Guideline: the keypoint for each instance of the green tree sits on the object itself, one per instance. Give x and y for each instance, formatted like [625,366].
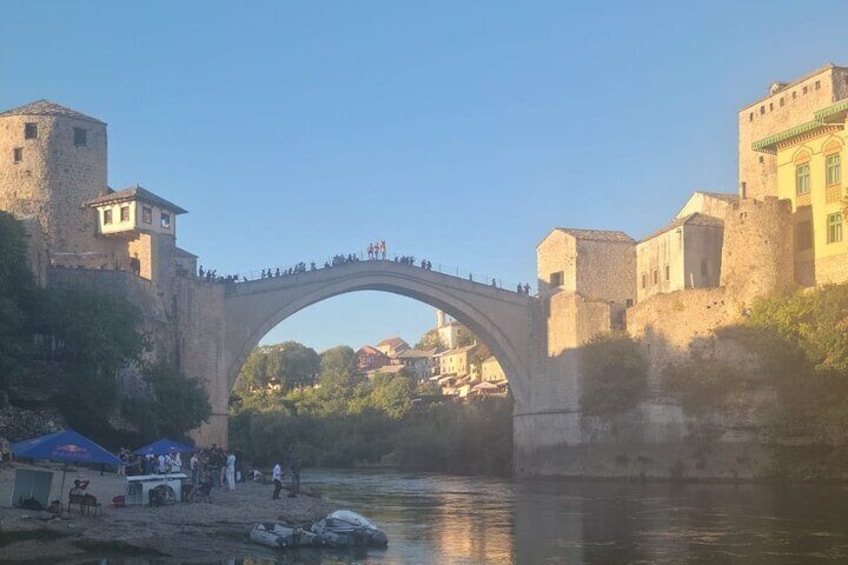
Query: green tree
[93,336]
[299,365]
[179,403]
[392,394]
[614,374]
[17,297]
[256,373]
[430,340]
[801,340]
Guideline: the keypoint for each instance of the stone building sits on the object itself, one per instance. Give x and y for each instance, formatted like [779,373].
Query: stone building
[392,347]
[785,106]
[586,279]
[809,160]
[684,254]
[416,361]
[370,359]
[52,159]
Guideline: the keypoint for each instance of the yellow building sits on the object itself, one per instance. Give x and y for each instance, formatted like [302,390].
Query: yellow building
[809,173]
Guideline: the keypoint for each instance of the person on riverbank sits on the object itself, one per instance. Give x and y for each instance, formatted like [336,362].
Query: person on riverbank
[295,473]
[194,465]
[276,477]
[79,487]
[231,471]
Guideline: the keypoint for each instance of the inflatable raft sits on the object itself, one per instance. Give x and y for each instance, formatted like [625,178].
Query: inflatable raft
[275,534]
[339,529]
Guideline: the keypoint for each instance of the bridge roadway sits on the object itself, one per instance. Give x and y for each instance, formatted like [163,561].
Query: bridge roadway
[500,318]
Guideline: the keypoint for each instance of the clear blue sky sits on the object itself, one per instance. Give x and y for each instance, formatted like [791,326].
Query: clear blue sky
[462,132]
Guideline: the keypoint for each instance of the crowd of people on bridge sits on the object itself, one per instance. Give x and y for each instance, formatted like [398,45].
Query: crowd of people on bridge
[212,275]
[377,250]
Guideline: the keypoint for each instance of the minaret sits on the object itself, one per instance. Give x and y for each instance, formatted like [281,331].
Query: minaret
[440,319]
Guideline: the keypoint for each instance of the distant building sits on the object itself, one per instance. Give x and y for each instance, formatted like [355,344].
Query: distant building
[492,371]
[392,346]
[370,359]
[684,254]
[808,158]
[788,111]
[142,221]
[456,362]
[416,361]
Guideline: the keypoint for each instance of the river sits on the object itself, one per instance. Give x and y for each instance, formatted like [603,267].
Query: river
[442,519]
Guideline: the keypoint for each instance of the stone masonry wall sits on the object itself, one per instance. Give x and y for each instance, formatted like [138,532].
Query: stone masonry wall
[557,253]
[757,257]
[670,327]
[832,270]
[606,270]
[200,339]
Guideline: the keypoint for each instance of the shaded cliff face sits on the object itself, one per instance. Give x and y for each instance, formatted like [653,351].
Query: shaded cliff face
[17,424]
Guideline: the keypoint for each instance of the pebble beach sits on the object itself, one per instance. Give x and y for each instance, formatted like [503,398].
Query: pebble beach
[198,531]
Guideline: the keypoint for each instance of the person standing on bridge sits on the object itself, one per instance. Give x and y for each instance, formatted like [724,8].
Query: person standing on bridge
[383,249]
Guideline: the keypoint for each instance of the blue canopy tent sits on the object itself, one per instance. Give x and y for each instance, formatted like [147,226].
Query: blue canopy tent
[66,446]
[164,446]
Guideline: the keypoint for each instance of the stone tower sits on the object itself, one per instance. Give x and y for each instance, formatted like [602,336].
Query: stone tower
[757,256]
[52,159]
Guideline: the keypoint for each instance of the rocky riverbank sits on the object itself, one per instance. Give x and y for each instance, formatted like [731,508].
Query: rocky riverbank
[203,531]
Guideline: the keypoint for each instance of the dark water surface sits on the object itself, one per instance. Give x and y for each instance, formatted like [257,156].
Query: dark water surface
[443,519]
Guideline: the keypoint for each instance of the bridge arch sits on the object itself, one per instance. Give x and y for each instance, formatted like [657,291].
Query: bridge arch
[500,318]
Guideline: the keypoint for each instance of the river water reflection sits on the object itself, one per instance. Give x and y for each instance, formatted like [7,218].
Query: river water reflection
[460,520]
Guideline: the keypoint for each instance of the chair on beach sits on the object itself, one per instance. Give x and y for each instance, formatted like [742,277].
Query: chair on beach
[86,502]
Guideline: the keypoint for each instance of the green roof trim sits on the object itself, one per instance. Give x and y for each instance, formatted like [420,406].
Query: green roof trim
[767,144]
[832,109]
[784,135]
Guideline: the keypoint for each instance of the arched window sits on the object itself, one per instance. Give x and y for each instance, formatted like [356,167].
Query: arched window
[802,172]
[832,162]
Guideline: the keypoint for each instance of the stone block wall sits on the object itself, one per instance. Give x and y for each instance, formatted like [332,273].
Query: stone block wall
[573,320]
[36,250]
[758,251]
[557,253]
[670,327]
[200,339]
[832,270]
[606,270]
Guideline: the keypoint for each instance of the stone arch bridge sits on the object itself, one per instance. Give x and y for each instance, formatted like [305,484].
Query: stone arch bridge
[500,318]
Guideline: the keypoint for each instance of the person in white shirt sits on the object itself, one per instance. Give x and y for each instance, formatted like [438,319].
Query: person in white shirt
[231,471]
[276,476]
[163,467]
[176,463]
[194,464]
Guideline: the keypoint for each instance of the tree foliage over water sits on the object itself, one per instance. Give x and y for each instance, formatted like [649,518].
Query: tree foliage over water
[614,374]
[348,419]
[800,343]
